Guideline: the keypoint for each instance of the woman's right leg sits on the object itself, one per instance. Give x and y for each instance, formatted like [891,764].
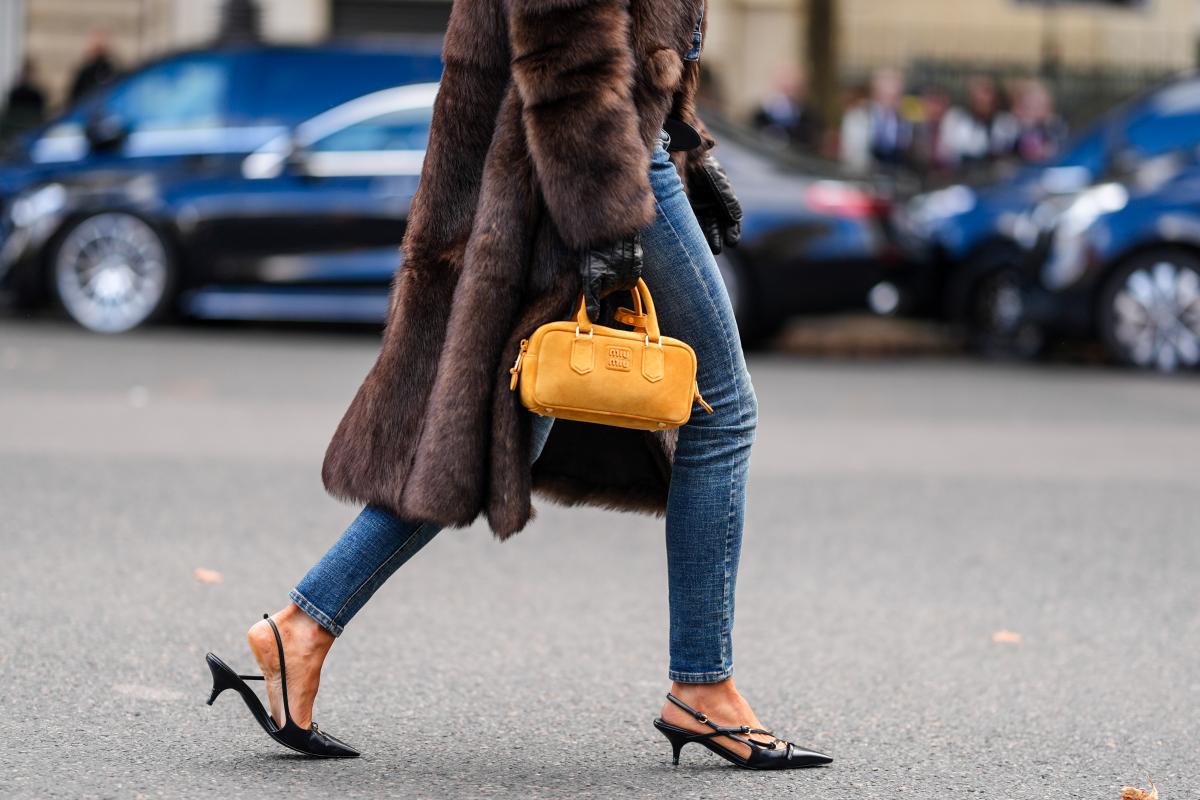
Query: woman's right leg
[372,548]
[369,551]
[376,544]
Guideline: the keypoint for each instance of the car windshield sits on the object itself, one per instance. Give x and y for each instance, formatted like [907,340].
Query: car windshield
[182,94]
[402,129]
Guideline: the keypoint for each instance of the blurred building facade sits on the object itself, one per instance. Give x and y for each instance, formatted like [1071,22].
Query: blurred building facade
[749,40]
[56,33]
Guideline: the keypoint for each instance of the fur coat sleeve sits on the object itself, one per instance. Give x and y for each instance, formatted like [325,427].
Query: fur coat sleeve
[539,146]
[573,65]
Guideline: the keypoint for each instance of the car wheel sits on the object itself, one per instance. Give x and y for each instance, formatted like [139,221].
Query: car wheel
[1149,314]
[996,324]
[112,272]
[754,329]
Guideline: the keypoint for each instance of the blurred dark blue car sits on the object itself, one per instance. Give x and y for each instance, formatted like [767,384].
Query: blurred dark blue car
[814,238]
[1122,263]
[204,176]
[968,243]
[274,183]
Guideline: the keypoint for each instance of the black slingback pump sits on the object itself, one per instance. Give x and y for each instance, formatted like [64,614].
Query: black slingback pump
[778,754]
[309,741]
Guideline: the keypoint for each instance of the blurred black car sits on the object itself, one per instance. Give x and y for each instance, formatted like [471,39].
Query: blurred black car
[187,187]
[814,239]
[1122,263]
[221,167]
[967,243]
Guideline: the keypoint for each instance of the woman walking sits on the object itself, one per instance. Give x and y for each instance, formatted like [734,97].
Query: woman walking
[562,140]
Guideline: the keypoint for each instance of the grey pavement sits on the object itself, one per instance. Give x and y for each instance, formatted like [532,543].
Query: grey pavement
[903,515]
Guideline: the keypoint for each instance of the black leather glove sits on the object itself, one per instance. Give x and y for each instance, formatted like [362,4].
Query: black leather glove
[610,268]
[715,206]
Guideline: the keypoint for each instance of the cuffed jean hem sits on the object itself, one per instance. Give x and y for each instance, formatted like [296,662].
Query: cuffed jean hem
[318,616]
[700,677]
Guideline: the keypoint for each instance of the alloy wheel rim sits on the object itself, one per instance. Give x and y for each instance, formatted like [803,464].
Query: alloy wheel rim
[1003,307]
[111,272]
[1157,314]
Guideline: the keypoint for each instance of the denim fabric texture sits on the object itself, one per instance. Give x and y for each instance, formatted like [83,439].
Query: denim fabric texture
[693,53]
[705,506]
[376,544]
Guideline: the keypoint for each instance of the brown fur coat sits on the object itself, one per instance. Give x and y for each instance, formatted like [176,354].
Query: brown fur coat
[539,147]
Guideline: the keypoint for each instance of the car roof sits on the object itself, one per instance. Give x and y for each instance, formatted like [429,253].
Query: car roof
[399,44]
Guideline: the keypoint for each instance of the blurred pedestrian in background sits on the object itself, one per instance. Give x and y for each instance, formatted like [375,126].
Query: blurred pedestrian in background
[98,69]
[787,115]
[1040,130]
[25,107]
[934,102]
[875,133]
[980,132]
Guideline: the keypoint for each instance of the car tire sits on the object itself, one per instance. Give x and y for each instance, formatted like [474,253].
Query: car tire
[755,329]
[994,310]
[1149,311]
[113,272]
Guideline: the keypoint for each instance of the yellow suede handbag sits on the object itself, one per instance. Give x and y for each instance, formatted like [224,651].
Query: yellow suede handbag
[591,373]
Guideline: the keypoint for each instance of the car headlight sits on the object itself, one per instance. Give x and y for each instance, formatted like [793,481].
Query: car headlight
[1068,256]
[30,207]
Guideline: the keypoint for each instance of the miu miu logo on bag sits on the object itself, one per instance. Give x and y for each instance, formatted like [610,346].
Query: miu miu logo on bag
[618,358]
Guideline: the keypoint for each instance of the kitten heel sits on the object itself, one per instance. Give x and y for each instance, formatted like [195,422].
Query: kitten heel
[775,754]
[222,678]
[675,736]
[310,741]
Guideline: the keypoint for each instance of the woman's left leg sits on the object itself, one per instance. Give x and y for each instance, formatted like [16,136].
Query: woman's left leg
[705,507]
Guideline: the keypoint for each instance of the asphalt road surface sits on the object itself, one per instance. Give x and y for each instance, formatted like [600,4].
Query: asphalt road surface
[962,580]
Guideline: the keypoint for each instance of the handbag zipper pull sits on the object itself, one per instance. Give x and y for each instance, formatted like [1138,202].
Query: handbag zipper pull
[700,399]
[516,367]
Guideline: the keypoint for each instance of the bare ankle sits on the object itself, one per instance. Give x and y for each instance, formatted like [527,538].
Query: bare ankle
[303,628]
[725,688]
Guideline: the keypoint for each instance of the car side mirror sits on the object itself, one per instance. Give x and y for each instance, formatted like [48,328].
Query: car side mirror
[105,131]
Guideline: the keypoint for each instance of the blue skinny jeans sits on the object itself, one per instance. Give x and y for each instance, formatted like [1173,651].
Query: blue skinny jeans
[705,505]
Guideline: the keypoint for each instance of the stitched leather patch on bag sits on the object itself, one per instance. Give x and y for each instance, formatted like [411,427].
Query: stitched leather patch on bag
[619,358]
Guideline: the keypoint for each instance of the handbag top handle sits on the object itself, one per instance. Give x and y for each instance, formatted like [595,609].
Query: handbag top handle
[641,299]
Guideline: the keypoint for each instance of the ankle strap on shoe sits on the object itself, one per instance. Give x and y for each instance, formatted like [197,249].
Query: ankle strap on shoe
[732,731]
[287,714]
[700,717]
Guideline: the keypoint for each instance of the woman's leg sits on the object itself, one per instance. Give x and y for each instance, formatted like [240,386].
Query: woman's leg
[372,548]
[705,507]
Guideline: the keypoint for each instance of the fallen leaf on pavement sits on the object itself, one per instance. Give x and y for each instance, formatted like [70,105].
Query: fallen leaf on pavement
[207,575]
[1006,637]
[1130,793]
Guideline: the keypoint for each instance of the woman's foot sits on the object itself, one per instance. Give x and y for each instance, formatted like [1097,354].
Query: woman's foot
[305,645]
[721,703]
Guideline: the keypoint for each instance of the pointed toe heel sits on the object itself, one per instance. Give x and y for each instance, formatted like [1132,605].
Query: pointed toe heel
[778,754]
[308,741]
